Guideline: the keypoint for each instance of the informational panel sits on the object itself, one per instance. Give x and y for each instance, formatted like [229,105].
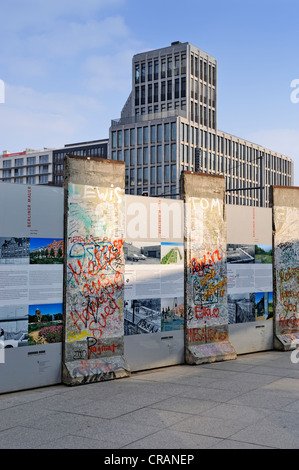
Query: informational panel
[31,280]
[249,277]
[154,282]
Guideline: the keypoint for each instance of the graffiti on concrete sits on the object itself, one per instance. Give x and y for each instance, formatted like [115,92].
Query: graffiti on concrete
[287,274]
[95,273]
[206,289]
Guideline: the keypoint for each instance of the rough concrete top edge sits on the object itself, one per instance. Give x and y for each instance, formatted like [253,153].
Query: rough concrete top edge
[285,187]
[284,196]
[96,159]
[93,171]
[202,185]
[203,174]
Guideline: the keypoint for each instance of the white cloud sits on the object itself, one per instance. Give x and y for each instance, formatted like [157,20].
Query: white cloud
[77,38]
[30,119]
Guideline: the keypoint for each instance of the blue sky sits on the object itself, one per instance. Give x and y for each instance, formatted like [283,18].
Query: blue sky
[46,309]
[66,65]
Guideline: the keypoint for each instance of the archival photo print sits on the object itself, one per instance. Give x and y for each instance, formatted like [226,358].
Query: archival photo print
[14,250]
[142,253]
[46,250]
[142,316]
[172,253]
[14,326]
[263,254]
[172,314]
[45,324]
[241,308]
[240,254]
[263,306]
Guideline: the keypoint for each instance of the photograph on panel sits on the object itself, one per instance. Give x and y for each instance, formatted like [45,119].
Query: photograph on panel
[263,254]
[263,306]
[14,250]
[142,252]
[240,253]
[142,316]
[45,324]
[14,326]
[241,308]
[172,253]
[46,251]
[172,314]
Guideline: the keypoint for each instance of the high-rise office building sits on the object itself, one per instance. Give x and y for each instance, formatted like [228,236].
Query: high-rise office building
[169,124]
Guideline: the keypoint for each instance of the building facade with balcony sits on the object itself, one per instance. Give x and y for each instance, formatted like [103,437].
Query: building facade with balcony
[45,166]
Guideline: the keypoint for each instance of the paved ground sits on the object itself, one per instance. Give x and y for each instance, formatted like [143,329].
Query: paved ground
[249,403]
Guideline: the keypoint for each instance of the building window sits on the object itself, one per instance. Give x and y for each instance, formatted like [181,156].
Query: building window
[150,93]
[153,134]
[139,176]
[177,88]
[31,170]
[6,163]
[132,137]
[145,155]
[153,175]
[159,153]
[156,92]
[19,162]
[139,156]
[183,63]
[143,72]
[31,160]
[145,176]
[127,140]
[145,135]
[31,180]
[167,131]
[153,154]
[163,68]
[150,71]
[169,89]
[159,132]
[159,175]
[166,174]
[19,172]
[119,138]
[163,91]
[43,179]
[143,95]
[44,169]
[183,87]
[156,69]
[139,136]
[137,73]
[166,153]
[132,157]
[6,173]
[44,159]
[173,131]
[173,173]
[176,65]
[173,152]
[132,177]
[169,67]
